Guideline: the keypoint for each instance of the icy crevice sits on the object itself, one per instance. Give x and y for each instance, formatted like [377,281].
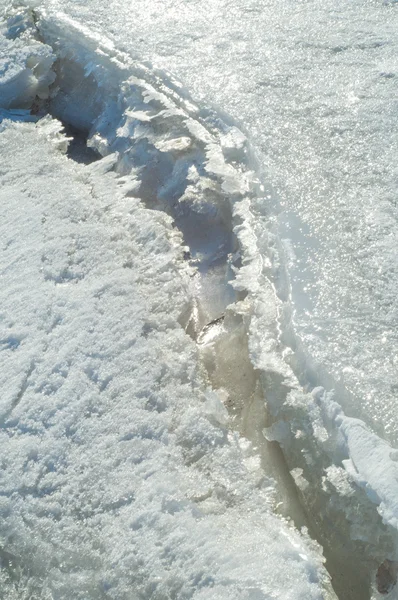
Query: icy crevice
[188,163]
[164,155]
[77,146]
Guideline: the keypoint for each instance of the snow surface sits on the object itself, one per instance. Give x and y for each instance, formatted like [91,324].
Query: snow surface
[305,261]
[119,477]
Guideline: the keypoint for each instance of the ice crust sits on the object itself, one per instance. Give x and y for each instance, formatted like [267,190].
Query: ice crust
[119,476]
[156,137]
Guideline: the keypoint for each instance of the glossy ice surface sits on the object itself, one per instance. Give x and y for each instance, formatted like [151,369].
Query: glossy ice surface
[314,84]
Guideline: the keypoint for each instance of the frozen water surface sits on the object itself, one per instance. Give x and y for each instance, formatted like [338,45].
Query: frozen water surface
[314,84]
[120,477]
[286,254]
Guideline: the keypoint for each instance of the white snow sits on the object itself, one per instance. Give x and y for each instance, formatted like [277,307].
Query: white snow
[291,246]
[25,64]
[114,482]
[119,477]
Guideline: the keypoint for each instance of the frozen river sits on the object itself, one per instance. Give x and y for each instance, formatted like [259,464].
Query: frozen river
[275,157]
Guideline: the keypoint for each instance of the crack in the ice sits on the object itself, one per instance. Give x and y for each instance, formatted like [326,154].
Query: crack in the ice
[167,165]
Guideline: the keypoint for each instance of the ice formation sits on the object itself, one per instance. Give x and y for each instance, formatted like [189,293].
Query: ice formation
[120,477]
[25,66]
[243,294]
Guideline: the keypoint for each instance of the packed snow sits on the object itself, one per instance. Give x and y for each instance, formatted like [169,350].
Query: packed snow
[193,287]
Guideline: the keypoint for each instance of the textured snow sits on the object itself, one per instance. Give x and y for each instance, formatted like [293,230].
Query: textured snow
[313,85]
[119,477]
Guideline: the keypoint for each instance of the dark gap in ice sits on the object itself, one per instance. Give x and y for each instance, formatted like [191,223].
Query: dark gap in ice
[77,148]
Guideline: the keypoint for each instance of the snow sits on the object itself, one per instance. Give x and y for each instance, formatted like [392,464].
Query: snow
[119,475]
[277,257]
[113,478]
[372,463]
[314,86]
[25,66]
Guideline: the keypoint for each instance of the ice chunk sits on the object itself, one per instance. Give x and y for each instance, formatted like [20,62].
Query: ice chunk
[25,67]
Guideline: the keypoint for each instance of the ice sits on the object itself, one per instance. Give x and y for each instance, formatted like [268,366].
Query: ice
[372,464]
[287,211]
[169,156]
[119,475]
[113,477]
[25,65]
[314,86]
